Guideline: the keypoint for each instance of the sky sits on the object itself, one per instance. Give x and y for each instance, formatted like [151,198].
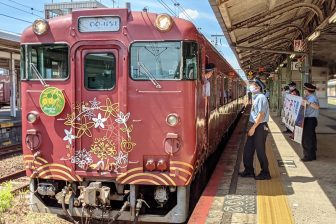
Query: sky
[16,15]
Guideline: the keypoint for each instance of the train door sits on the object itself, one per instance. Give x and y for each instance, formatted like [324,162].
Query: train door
[96,108]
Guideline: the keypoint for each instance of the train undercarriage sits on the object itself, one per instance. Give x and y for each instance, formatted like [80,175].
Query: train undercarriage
[110,201]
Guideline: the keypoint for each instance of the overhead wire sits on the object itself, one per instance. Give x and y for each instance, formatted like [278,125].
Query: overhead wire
[167,7]
[27,6]
[183,10]
[31,13]
[12,17]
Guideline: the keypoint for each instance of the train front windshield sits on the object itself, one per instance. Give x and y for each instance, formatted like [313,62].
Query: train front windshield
[169,60]
[49,61]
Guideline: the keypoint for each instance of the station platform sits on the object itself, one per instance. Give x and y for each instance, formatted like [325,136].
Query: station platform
[10,127]
[299,192]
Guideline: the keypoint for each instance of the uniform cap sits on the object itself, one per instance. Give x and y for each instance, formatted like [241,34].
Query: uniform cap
[292,83]
[209,67]
[259,83]
[309,86]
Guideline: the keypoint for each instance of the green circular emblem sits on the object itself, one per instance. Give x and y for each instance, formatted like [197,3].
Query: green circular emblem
[52,101]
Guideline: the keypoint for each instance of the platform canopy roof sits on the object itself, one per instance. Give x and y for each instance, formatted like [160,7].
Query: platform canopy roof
[262,32]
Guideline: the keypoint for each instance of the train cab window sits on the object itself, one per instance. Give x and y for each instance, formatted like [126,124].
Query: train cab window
[159,60]
[99,71]
[50,61]
[190,51]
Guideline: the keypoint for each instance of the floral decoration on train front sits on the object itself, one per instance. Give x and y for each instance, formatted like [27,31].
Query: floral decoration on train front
[109,132]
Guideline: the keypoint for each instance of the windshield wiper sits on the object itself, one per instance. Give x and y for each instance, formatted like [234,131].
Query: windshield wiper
[150,75]
[37,74]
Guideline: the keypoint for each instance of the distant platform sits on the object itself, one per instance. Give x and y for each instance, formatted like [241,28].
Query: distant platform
[10,127]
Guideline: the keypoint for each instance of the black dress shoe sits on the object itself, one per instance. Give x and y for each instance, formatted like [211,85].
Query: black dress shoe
[304,159]
[246,174]
[263,176]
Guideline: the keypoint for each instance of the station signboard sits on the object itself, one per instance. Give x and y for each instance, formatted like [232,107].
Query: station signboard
[298,45]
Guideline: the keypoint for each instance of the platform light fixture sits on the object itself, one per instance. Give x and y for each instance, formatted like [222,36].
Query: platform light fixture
[332,19]
[40,26]
[292,56]
[314,35]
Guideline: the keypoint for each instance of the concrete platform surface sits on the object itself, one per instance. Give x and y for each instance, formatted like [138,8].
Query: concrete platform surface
[301,193]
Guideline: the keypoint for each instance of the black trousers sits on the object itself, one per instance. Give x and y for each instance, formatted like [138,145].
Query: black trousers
[309,142]
[254,143]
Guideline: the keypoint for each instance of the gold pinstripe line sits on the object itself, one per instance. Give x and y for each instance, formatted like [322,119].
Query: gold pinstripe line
[182,178]
[182,170]
[43,160]
[144,174]
[55,176]
[57,170]
[53,164]
[144,180]
[79,178]
[127,172]
[26,161]
[182,163]
[170,179]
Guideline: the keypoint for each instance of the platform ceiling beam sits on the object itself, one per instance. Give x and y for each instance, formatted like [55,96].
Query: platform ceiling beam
[282,9]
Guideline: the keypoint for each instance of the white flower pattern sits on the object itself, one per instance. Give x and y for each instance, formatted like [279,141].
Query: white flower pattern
[89,114]
[81,158]
[99,121]
[95,103]
[122,119]
[69,136]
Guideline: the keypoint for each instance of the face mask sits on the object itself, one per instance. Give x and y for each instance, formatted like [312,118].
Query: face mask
[253,89]
[287,91]
[292,88]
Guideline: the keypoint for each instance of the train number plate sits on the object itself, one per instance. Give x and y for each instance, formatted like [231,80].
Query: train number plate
[99,24]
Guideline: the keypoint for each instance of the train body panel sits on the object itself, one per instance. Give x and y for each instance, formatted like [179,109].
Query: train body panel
[124,112]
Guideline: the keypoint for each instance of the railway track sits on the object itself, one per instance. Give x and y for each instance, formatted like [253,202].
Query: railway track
[18,185]
[10,150]
[13,176]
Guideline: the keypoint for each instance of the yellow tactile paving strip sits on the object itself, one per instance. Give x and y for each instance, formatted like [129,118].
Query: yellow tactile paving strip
[272,204]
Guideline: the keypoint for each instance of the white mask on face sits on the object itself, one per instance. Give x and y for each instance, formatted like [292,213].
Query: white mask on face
[253,89]
[287,91]
[292,88]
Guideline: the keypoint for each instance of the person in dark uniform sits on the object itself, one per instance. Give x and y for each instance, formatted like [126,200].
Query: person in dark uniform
[309,143]
[257,134]
[293,90]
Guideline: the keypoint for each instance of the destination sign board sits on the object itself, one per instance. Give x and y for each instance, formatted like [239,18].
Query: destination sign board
[99,24]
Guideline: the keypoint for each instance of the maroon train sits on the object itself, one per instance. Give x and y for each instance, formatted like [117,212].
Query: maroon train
[119,116]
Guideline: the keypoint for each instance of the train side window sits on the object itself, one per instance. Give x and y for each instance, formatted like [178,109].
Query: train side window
[99,71]
[190,51]
[51,61]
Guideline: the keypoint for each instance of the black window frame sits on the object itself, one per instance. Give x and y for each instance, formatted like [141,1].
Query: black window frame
[115,69]
[27,69]
[198,61]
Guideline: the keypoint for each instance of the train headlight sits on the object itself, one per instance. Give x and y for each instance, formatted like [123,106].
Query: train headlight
[40,26]
[172,119]
[32,117]
[163,22]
